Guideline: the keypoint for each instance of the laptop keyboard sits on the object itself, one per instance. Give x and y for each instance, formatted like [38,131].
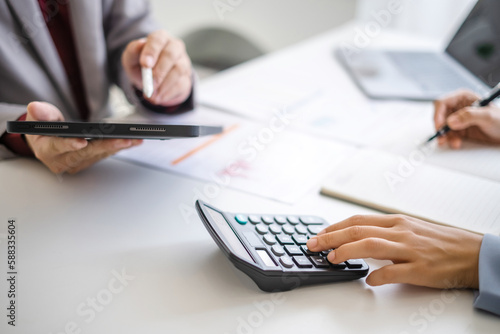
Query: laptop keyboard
[431,72]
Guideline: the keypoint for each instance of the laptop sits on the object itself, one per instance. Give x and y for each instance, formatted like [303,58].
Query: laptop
[471,61]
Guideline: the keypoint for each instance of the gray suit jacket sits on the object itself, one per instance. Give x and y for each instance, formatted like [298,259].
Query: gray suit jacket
[31,69]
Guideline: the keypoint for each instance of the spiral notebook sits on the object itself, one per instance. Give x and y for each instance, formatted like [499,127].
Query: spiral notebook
[393,184]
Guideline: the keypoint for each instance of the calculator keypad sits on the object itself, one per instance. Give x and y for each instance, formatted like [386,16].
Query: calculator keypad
[278,250]
[286,238]
[301,229]
[288,229]
[268,220]
[280,220]
[269,239]
[262,229]
[319,261]
[254,219]
[293,250]
[302,262]
[275,229]
[286,262]
[300,239]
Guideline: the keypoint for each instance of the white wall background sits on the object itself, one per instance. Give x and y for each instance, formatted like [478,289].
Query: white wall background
[273,24]
[270,24]
[434,19]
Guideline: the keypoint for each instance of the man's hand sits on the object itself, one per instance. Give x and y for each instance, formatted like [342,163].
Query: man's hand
[477,124]
[68,154]
[422,253]
[166,55]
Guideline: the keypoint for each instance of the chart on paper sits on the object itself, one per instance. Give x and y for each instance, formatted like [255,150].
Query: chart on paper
[326,103]
[248,156]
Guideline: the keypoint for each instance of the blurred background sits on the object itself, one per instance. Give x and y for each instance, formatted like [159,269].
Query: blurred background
[222,33]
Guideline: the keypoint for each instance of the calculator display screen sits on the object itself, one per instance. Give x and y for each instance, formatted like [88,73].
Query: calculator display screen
[231,238]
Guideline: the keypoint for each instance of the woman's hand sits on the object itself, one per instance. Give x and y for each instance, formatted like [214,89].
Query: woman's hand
[422,253]
[466,122]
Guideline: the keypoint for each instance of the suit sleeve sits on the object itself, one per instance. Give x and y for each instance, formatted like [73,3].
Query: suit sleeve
[10,112]
[488,296]
[125,21]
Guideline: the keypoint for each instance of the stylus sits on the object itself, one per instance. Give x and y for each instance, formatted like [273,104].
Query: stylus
[147,81]
[479,103]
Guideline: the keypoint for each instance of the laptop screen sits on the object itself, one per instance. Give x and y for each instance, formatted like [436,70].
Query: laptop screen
[476,45]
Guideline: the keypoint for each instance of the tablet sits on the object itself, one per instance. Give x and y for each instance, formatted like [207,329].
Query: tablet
[111,130]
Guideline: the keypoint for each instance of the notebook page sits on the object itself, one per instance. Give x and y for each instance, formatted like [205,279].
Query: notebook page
[411,124]
[396,185]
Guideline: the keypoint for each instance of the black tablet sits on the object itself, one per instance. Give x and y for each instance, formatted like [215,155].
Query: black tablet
[105,130]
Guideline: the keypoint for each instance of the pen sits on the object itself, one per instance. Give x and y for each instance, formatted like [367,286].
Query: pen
[479,103]
[147,81]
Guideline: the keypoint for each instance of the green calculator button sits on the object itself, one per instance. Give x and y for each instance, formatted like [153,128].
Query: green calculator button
[241,219]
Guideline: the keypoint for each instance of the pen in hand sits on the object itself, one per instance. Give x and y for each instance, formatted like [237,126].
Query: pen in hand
[480,103]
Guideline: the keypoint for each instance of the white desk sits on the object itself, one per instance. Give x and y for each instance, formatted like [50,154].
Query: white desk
[73,232]
[76,233]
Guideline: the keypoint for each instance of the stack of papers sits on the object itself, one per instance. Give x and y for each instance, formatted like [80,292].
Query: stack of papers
[453,187]
[288,130]
[394,184]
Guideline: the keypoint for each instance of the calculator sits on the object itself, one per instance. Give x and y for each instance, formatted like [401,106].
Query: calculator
[272,251]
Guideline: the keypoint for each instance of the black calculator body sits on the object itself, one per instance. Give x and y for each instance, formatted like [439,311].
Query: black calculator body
[272,250]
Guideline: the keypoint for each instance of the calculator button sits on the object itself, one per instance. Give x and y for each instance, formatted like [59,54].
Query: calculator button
[325,253]
[338,266]
[269,239]
[302,262]
[268,220]
[241,219]
[288,229]
[315,229]
[254,219]
[280,220]
[300,239]
[354,264]
[253,239]
[275,229]
[286,262]
[262,229]
[293,220]
[293,250]
[310,220]
[319,262]
[284,239]
[307,251]
[301,229]
[278,250]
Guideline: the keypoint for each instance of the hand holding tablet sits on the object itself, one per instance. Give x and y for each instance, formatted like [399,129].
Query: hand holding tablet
[73,154]
[105,130]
